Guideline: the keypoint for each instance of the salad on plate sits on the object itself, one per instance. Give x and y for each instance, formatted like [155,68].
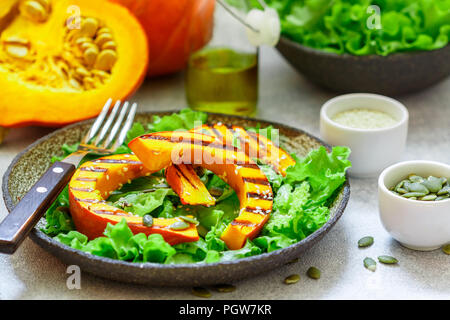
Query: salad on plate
[183,190]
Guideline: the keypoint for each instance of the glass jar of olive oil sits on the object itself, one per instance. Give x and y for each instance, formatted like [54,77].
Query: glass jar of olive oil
[223,77]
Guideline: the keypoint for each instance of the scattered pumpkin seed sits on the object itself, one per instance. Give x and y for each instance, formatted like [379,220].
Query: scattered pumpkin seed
[365,242]
[201,292]
[446,249]
[370,264]
[147,220]
[293,278]
[442,198]
[387,260]
[225,288]
[189,219]
[179,225]
[313,273]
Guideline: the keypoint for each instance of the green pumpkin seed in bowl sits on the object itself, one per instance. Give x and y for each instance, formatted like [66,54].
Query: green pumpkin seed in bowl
[416,187]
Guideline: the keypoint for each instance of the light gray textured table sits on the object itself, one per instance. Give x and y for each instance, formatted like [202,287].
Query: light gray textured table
[285,96]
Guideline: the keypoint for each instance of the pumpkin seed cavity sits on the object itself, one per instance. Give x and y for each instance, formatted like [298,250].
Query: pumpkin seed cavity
[85,63]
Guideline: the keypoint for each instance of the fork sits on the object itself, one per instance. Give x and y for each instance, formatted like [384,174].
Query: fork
[101,139]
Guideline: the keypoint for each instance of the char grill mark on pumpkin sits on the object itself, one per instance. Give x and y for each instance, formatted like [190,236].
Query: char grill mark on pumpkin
[118,161]
[89,200]
[255,137]
[249,165]
[258,210]
[82,189]
[93,169]
[261,195]
[217,134]
[242,223]
[260,181]
[86,179]
[110,212]
[181,174]
[190,140]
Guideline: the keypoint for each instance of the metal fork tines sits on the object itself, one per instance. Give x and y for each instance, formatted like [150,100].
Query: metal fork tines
[103,139]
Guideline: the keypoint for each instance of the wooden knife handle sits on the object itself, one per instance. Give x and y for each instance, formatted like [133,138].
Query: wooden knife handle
[19,222]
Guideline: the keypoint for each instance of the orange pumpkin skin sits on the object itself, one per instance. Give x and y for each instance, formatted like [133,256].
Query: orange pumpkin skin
[161,149]
[175,29]
[93,182]
[52,106]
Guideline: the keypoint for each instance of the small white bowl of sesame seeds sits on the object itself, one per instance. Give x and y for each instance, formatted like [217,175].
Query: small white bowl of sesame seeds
[373,126]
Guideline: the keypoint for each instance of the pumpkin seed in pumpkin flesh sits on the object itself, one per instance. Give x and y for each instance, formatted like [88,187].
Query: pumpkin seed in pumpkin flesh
[201,292]
[365,242]
[293,278]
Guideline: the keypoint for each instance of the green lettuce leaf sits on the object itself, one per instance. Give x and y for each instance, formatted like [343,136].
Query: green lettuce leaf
[186,119]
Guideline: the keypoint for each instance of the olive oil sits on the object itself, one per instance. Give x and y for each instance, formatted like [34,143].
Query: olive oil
[223,80]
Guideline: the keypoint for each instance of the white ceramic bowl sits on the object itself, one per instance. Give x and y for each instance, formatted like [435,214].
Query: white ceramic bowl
[372,149]
[418,225]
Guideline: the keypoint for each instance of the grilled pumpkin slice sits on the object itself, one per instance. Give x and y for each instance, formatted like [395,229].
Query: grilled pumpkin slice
[185,182]
[252,144]
[162,149]
[94,181]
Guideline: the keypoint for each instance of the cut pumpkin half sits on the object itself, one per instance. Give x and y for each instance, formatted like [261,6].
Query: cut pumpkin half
[60,60]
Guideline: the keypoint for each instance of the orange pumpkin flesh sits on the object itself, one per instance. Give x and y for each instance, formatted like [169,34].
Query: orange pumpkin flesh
[186,183]
[43,62]
[162,149]
[95,180]
[174,30]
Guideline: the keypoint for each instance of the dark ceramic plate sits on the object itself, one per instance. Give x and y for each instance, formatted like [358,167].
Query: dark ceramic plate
[392,75]
[34,160]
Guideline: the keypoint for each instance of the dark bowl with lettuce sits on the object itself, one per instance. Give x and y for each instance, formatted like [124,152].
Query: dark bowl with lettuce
[377,46]
[318,178]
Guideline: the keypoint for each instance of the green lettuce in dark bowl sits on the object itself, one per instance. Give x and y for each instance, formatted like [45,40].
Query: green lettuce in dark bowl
[379,46]
[307,203]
